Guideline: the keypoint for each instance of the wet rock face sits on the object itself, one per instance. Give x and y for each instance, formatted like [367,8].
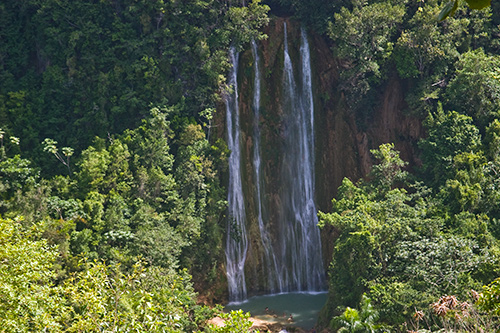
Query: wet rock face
[342,142]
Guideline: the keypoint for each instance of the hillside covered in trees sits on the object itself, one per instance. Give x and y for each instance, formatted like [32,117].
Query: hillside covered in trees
[113,173]
[110,188]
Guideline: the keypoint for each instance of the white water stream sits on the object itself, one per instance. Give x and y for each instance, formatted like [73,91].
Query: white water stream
[301,243]
[236,240]
[292,258]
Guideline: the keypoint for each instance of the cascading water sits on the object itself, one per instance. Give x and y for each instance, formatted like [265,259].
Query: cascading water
[236,239]
[300,242]
[291,253]
[274,279]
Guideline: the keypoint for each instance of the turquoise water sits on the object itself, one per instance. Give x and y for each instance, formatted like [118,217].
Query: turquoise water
[304,308]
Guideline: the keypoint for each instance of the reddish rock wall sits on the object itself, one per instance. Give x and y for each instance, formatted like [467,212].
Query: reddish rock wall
[343,142]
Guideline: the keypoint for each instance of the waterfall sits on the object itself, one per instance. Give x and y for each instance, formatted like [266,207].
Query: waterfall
[302,265]
[236,236]
[291,255]
[316,275]
[274,279]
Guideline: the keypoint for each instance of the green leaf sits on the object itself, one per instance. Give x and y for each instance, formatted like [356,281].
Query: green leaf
[448,9]
[478,4]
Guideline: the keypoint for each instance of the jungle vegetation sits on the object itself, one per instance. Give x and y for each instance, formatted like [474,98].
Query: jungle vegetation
[112,208]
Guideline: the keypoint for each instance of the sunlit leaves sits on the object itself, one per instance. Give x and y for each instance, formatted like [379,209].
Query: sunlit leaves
[29,300]
[363,41]
[51,147]
[354,320]
[396,245]
[245,21]
[450,133]
[442,263]
[96,298]
[478,72]
[489,298]
[235,321]
[389,169]
[104,298]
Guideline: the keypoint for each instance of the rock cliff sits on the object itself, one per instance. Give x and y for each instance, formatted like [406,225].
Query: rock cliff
[343,138]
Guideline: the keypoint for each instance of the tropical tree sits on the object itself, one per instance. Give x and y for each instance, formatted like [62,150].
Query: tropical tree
[490,296]
[477,71]
[450,134]
[30,299]
[395,245]
[363,42]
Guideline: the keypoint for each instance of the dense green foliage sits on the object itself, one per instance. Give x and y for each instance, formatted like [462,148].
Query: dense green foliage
[376,40]
[354,321]
[71,71]
[407,246]
[96,298]
[110,189]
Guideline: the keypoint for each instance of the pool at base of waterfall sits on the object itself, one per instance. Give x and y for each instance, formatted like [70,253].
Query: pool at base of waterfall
[297,309]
